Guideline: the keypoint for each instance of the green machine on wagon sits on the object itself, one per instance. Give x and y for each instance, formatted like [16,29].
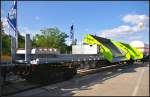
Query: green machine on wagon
[108,48]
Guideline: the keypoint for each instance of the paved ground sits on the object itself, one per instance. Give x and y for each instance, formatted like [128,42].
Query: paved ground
[130,80]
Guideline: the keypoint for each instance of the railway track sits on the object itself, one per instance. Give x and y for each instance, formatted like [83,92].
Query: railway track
[21,86]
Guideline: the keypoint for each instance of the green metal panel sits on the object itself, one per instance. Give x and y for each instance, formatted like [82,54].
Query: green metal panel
[123,48]
[135,53]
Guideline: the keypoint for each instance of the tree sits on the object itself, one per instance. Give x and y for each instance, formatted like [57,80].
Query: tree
[6,42]
[1,33]
[51,38]
[21,41]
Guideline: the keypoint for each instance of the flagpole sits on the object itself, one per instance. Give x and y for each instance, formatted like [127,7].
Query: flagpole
[1,48]
[1,80]
[11,49]
[17,37]
[72,34]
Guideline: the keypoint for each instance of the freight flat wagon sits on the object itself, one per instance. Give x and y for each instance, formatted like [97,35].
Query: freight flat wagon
[45,65]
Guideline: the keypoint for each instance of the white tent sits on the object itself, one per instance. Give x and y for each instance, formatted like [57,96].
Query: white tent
[144,48]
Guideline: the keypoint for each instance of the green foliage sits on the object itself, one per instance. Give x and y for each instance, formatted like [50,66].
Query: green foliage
[21,40]
[6,42]
[51,38]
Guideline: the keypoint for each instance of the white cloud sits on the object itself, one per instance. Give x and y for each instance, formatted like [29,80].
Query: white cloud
[4,22]
[5,25]
[68,41]
[140,23]
[121,30]
[136,19]
[37,18]
[116,31]
[25,30]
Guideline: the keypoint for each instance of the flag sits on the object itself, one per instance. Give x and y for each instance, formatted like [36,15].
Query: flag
[71,31]
[12,17]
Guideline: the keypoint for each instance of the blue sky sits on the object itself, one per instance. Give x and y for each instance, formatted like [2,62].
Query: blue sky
[89,17]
